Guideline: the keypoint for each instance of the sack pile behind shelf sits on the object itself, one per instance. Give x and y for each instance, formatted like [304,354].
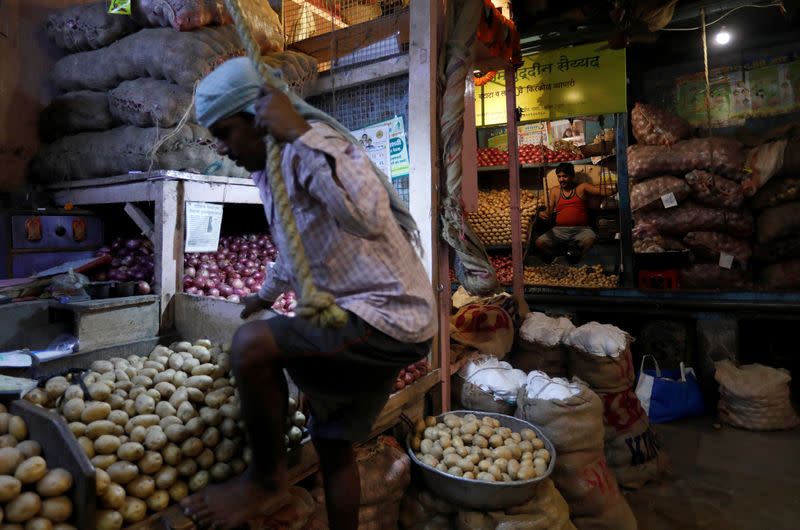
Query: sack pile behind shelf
[600,354]
[141,71]
[571,416]
[755,397]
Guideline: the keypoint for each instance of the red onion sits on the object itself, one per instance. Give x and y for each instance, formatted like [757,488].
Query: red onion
[239,292]
[202,273]
[116,262]
[191,272]
[200,283]
[258,276]
[236,283]
[194,262]
[127,260]
[192,290]
[233,298]
[133,243]
[188,281]
[225,289]
[249,282]
[246,290]
[116,245]
[235,247]
[213,267]
[213,291]
[248,272]
[143,287]
[205,257]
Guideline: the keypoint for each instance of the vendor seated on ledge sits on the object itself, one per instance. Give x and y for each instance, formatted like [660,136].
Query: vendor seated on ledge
[571,231]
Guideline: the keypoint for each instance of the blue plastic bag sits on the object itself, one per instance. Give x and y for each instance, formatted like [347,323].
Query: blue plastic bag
[668,395]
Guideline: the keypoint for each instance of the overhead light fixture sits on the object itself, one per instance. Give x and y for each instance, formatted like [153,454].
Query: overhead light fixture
[722,37]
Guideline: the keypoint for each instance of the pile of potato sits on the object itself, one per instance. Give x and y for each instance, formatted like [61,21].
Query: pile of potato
[492,221]
[592,277]
[480,449]
[30,494]
[156,428]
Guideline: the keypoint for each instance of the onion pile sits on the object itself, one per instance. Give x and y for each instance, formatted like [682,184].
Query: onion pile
[131,261]
[285,304]
[237,269]
[411,373]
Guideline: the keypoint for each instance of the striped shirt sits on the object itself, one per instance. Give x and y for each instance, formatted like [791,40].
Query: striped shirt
[356,249]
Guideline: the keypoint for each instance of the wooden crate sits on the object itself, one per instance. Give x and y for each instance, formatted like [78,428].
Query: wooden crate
[101,323]
[409,401]
[61,449]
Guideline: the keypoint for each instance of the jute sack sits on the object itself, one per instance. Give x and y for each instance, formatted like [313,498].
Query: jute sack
[575,427]
[755,397]
[420,510]
[384,471]
[547,510]
[601,356]
[472,397]
[539,345]
[632,449]
[75,112]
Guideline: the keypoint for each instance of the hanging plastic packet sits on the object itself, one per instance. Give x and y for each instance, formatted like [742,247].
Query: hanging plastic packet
[119,7]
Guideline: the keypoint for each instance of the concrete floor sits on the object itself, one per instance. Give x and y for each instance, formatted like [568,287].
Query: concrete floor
[723,479]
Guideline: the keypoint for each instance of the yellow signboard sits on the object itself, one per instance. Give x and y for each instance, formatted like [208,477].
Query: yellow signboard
[577,81]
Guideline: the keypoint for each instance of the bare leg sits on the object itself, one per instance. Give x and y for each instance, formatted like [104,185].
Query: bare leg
[341,482]
[257,365]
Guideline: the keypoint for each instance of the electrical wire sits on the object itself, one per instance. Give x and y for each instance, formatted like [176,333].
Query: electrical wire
[759,6]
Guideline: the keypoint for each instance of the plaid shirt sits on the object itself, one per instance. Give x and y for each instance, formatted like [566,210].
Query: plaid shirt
[356,249]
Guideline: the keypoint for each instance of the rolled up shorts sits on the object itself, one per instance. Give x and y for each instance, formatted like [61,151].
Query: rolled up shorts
[347,374]
[563,235]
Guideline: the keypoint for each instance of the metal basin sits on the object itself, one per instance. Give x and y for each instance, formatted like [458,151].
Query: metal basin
[477,494]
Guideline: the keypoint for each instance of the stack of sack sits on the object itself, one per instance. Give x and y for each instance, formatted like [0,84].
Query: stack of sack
[488,384]
[600,354]
[778,232]
[540,344]
[688,193]
[755,397]
[547,510]
[127,86]
[570,415]
[384,472]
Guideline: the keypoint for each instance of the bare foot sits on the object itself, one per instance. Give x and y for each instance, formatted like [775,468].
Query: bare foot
[233,504]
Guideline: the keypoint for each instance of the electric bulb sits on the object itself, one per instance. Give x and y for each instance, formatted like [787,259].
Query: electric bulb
[722,37]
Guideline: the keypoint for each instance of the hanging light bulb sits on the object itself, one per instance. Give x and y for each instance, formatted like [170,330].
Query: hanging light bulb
[722,37]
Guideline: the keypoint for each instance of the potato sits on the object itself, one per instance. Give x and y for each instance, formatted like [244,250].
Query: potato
[187,467]
[480,441]
[228,427]
[205,459]
[131,451]
[118,417]
[151,463]
[31,470]
[116,402]
[503,452]
[486,431]
[10,458]
[141,487]
[169,420]
[199,480]
[455,471]
[512,468]
[114,497]
[102,366]
[95,411]
[192,447]
[216,398]
[486,477]
[237,466]
[189,365]
[99,391]
[155,439]
[23,508]
[10,488]
[87,445]
[101,482]
[195,427]
[172,454]
[109,520]
[430,460]
[122,472]
[451,460]
[133,510]
[17,428]
[526,472]
[179,377]
[230,410]
[516,437]
[56,386]
[525,446]
[129,406]
[158,501]
[178,491]
[528,434]
[176,433]
[186,412]
[166,477]
[211,437]
[103,461]
[544,454]
[225,450]
[98,428]
[164,377]
[57,509]
[195,395]
[211,417]
[145,404]
[106,444]
[5,418]
[142,381]
[496,441]
[37,396]
[484,465]
[442,467]
[200,382]
[469,475]
[220,472]
[56,482]
[39,523]
[149,373]
[145,420]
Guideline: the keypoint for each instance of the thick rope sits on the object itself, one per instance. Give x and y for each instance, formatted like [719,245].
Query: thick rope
[316,306]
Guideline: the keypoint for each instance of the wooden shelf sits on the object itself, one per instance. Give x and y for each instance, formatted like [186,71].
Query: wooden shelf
[581,162]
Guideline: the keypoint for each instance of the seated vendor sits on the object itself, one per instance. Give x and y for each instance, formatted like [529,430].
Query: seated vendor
[571,231]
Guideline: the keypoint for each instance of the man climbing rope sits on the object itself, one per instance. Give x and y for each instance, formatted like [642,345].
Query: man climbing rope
[360,251]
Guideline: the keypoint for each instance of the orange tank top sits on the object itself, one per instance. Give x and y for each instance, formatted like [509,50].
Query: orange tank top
[571,211]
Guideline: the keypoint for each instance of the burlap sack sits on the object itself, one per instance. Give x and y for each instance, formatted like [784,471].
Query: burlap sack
[707,247]
[603,374]
[471,397]
[180,57]
[420,510]
[633,451]
[384,471]
[123,149]
[487,328]
[723,156]
[547,510]
[779,221]
[655,126]
[755,397]
[712,276]
[690,217]
[75,112]
[777,191]
[764,162]
[148,102]
[714,190]
[575,427]
[87,27]
[529,356]
[647,195]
